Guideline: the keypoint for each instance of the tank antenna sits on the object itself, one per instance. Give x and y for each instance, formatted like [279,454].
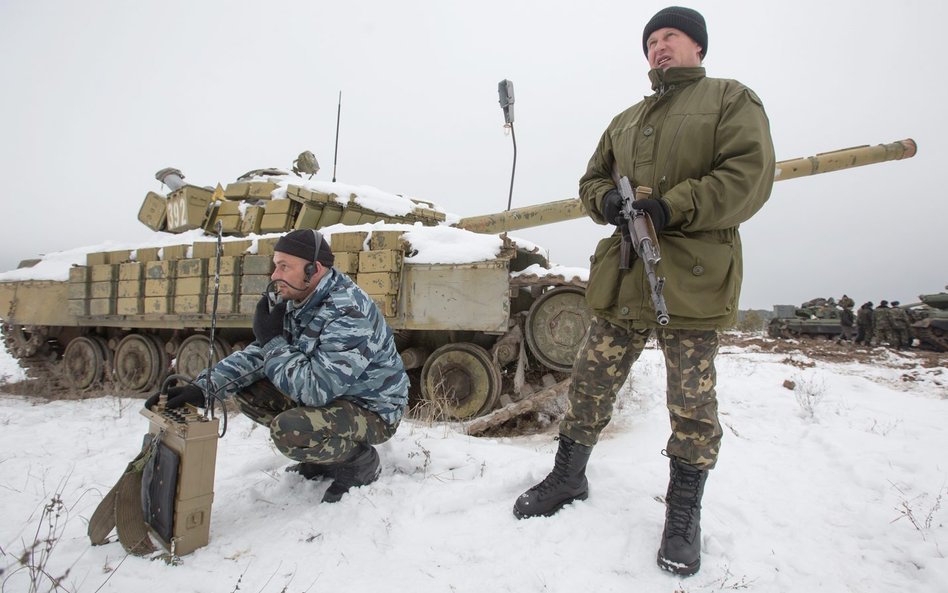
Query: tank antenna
[336,151]
[506,92]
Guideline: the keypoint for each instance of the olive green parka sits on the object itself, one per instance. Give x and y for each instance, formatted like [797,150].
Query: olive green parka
[704,146]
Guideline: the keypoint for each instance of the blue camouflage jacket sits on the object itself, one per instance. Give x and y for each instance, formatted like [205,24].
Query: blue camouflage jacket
[335,344]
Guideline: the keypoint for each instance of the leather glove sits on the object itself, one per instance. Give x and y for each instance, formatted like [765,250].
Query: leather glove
[268,324]
[612,207]
[657,210]
[178,396]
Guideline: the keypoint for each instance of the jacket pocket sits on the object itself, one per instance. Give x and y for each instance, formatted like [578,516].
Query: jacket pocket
[602,289]
[702,276]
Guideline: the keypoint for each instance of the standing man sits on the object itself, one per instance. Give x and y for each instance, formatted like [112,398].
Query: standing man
[703,145]
[322,373]
[847,319]
[864,324]
[901,325]
[883,332]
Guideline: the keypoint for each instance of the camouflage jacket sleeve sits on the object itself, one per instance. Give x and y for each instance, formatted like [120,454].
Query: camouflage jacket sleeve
[237,370]
[598,179]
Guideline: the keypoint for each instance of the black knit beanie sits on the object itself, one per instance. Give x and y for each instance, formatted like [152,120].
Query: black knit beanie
[684,19]
[302,244]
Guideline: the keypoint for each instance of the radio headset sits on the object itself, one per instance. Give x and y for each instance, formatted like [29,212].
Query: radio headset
[310,270]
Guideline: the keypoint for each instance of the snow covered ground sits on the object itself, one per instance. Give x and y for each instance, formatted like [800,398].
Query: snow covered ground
[838,485]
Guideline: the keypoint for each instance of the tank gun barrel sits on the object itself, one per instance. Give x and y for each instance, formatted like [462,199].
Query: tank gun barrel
[824,162]
[837,160]
[525,217]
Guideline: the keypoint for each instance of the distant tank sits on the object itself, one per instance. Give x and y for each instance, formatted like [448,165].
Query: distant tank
[820,318]
[930,320]
[505,324]
[816,318]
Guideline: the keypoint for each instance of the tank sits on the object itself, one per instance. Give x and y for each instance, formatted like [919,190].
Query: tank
[816,318]
[930,320]
[497,324]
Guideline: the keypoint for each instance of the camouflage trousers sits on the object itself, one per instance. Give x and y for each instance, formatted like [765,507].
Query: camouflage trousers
[905,336]
[603,364]
[864,334]
[886,335]
[847,333]
[327,434]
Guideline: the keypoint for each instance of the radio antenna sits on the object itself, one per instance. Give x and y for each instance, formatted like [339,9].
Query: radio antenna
[336,152]
[506,92]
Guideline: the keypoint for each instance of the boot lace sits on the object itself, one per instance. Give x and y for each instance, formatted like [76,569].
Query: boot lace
[559,473]
[682,502]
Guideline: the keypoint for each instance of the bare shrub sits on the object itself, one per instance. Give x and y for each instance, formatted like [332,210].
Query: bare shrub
[809,393]
[32,563]
[913,509]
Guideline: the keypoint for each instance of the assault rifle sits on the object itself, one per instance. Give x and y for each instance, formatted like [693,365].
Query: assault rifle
[638,234]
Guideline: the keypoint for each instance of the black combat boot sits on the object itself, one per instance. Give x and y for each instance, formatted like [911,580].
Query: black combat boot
[359,470]
[680,552]
[566,483]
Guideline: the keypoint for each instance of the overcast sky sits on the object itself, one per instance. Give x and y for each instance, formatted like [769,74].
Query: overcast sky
[99,95]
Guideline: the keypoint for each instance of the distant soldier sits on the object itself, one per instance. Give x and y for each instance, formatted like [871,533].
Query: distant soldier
[846,320]
[882,325]
[864,324]
[901,325]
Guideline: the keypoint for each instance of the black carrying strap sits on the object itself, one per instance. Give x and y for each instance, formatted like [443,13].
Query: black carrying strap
[121,508]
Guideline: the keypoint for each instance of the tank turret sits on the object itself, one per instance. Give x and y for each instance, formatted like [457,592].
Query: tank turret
[497,323]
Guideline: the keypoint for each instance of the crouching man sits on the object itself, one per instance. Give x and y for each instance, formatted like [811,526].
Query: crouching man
[322,373]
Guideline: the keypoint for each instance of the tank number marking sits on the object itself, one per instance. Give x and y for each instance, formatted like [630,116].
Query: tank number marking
[177,212]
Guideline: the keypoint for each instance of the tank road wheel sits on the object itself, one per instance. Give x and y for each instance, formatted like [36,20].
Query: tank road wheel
[462,380]
[556,326]
[191,357]
[140,363]
[24,341]
[85,362]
